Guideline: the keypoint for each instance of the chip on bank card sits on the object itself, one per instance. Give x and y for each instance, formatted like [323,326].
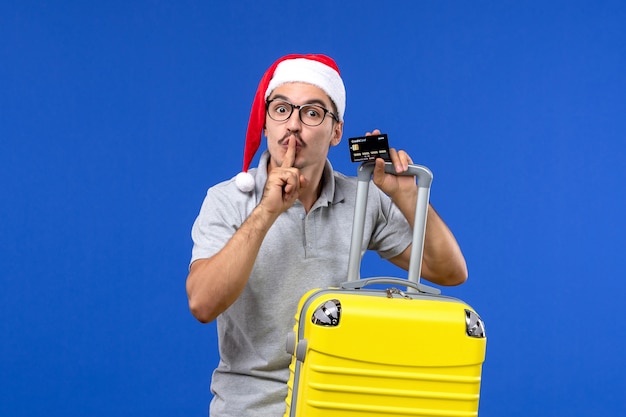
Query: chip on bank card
[368,148]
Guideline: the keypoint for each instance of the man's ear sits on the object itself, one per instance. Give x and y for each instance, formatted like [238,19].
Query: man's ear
[337,133]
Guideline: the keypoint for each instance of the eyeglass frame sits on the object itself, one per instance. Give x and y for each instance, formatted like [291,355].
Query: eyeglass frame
[299,107]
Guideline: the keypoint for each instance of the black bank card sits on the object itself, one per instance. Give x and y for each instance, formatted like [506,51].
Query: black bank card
[368,148]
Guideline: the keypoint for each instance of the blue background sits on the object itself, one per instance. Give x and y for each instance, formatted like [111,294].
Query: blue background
[115,117]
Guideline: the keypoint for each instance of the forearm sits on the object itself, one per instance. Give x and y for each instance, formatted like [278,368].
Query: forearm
[213,284]
[443,262]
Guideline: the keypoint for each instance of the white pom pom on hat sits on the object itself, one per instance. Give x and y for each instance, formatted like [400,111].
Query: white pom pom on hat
[245,182]
[316,69]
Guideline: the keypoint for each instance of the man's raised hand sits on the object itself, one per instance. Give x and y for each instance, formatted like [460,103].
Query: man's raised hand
[283,183]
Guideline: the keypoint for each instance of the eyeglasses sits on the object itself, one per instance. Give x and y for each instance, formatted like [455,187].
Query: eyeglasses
[310,114]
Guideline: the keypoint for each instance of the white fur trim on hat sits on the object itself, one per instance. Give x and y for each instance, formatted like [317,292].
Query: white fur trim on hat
[314,73]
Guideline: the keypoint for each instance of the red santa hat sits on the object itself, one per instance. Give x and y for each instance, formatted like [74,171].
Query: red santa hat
[318,70]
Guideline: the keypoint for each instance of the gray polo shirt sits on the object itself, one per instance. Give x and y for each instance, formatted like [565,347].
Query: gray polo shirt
[300,252]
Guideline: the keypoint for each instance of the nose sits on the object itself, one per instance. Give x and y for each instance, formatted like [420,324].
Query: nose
[293,122]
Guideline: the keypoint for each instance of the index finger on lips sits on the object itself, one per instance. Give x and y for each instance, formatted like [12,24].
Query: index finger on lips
[290,155]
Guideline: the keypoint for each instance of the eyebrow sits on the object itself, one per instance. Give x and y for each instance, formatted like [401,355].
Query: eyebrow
[312,101]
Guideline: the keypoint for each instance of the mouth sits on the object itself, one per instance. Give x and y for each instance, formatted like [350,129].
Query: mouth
[284,142]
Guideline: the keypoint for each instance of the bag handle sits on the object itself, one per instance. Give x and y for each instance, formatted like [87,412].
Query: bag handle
[424,181]
[360,283]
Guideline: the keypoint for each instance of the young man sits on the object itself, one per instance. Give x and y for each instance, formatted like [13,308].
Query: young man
[265,238]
